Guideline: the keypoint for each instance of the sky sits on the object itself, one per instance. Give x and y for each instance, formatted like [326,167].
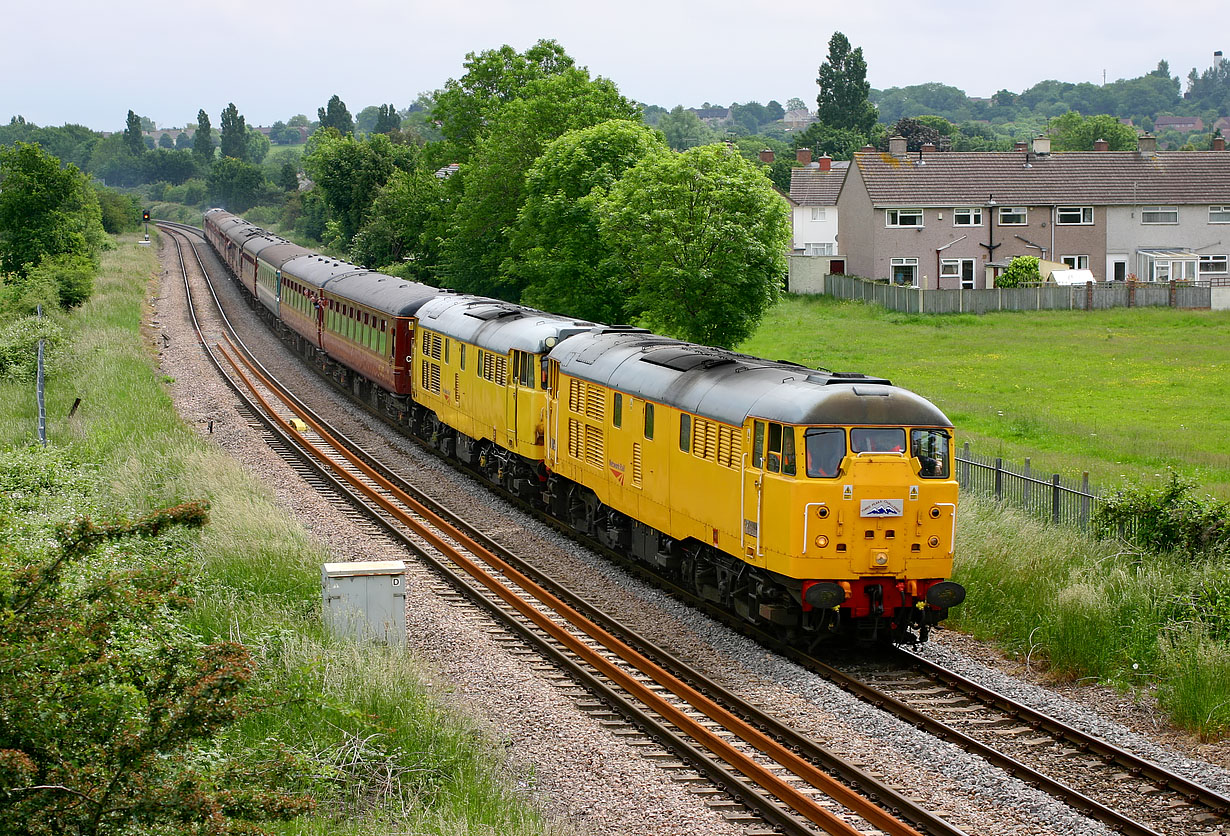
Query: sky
[88,62]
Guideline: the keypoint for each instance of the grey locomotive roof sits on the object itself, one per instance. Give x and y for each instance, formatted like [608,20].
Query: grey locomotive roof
[728,387]
[496,325]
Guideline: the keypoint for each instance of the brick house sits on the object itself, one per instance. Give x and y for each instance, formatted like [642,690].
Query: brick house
[953,220]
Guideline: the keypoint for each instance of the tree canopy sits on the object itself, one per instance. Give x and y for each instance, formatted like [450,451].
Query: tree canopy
[843,101]
[557,252]
[335,115]
[702,236]
[234,133]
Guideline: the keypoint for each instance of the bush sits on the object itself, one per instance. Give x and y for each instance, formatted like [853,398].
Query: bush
[19,346]
[1021,270]
[73,276]
[1167,518]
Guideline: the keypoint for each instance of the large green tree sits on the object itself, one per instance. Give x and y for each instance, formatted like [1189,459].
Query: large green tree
[466,107]
[234,133]
[350,172]
[405,228]
[494,180]
[683,129]
[45,210]
[844,98]
[557,252]
[335,115]
[703,237]
[133,137]
[1073,132]
[235,185]
[203,140]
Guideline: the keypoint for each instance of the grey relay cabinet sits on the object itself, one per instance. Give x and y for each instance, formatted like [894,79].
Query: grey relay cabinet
[366,600]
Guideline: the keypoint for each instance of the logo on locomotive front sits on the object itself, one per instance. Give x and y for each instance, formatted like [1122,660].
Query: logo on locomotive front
[881,508]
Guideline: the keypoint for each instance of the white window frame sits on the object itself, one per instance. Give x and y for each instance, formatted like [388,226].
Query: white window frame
[1213,265]
[1083,215]
[1011,212]
[1164,268]
[822,248]
[1076,262]
[953,268]
[1219,214]
[892,218]
[819,213]
[972,216]
[903,262]
[1154,214]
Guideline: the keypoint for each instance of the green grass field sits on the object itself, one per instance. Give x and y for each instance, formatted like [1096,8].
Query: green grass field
[1124,394]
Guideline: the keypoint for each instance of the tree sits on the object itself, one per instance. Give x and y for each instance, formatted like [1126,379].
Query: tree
[203,140]
[336,116]
[45,210]
[387,120]
[683,129]
[183,142]
[557,252]
[843,101]
[234,133]
[165,141]
[299,120]
[466,107]
[493,183]
[838,143]
[918,133]
[133,137]
[405,228]
[256,146]
[795,103]
[349,172]
[1021,270]
[1073,132]
[106,697]
[288,177]
[235,185]
[774,111]
[703,237]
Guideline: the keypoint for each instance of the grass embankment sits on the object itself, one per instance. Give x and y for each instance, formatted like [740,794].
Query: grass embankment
[1124,394]
[387,755]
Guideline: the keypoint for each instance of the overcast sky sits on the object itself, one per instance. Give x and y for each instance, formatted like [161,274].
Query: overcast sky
[89,62]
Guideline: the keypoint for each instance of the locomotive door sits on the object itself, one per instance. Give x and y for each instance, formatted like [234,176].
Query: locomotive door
[752,503]
[521,378]
[766,495]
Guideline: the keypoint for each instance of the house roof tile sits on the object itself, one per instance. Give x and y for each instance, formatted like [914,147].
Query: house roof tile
[813,187]
[1108,178]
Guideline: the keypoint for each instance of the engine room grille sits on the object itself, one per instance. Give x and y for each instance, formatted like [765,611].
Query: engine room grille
[431,377]
[433,345]
[637,473]
[493,367]
[585,443]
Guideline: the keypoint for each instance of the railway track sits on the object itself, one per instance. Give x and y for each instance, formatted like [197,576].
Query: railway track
[769,772]
[1128,794]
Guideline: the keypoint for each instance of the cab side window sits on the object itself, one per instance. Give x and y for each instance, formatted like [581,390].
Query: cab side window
[685,432]
[649,421]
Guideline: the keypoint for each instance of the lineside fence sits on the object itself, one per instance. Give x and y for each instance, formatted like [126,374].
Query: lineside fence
[1053,498]
[1041,297]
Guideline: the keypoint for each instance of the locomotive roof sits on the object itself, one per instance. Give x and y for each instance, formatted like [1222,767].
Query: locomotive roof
[729,387]
[496,325]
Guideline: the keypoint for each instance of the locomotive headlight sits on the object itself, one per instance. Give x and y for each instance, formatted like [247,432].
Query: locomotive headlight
[822,541]
[881,558]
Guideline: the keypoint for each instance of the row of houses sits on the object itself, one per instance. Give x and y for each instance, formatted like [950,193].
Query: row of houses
[954,220]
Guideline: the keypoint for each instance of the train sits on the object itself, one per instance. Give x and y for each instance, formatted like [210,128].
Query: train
[811,503]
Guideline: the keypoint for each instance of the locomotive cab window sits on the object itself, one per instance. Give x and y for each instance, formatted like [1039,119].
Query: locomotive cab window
[617,411]
[523,368]
[778,455]
[825,447]
[877,440]
[685,432]
[649,421]
[929,449]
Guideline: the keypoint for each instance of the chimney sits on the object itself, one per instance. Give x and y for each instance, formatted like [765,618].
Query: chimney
[896,146]
[1219,143]
[826,162]
[866,149]
[1020,145]
[928,148]
[1042,145]
[803,156]
[1146,145]
[1101,145]
[766,155]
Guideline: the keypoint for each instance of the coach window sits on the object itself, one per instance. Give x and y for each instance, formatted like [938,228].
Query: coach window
[649,421]
[685,432]
[617,412]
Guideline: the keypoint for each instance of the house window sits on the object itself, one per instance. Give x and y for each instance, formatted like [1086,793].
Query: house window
[905,271]
[903,217]
[1013,216]
[1176,270]
[1073,215]
[818,213]
[1219,214]
[1214,265]
[1159,215]
[967,216]
[821,249]
[1076,262]
[962,268]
